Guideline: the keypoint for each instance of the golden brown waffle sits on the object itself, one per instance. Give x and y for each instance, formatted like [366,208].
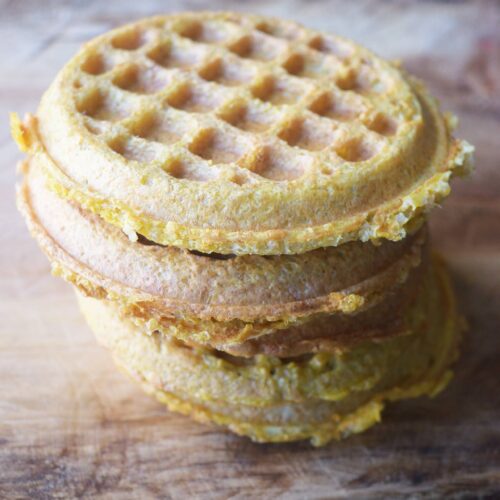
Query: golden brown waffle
[242,134]
[221,170]
[321,300]
[320,397]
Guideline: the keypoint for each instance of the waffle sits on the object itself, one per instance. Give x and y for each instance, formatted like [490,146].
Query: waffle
[319,397]
[239,134]
[251,196]
[318,301]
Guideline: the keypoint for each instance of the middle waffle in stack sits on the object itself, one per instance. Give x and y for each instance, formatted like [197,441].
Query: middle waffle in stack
[272,346]
[287,305]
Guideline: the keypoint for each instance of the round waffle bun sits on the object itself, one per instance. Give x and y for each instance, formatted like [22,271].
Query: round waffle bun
[281,305]
[240,134]
[321,397]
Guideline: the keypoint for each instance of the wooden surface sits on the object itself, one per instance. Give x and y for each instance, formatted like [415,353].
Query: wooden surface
[72,426]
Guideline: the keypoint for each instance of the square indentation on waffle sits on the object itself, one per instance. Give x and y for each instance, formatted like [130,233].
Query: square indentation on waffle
[136,149]
[362,79]
[287,32]
[190,168]
[309,65]
[170,54]
[308,133]
[356,148]
[193,98]
[96,63]
[208,31]
[330,45]
[161,126]
[141,79]
[227,71]
[336,105]
[103,105]
[279,90]
[251,116]
[131,38]
[278,163]
[219,146]
[381,123]
[257,47]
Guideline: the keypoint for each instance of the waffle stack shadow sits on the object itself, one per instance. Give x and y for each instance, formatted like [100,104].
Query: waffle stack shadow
[211,185]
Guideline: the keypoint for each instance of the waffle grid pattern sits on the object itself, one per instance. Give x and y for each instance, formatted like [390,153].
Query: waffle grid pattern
[235,98]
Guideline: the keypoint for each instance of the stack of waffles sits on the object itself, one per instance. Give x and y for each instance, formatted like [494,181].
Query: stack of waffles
[240,203]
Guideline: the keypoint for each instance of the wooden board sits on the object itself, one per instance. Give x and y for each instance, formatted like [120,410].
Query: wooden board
[72,426]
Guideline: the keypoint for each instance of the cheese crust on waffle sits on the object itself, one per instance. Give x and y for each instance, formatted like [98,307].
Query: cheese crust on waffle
[321,397]
[239,134]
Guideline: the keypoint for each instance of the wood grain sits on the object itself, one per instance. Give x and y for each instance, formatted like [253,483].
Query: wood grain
[71,426]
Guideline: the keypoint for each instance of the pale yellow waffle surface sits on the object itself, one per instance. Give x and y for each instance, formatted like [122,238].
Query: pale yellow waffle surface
[322,396]
[319,300]
[241,134]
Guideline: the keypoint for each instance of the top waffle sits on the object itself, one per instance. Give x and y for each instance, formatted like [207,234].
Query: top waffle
[232,133]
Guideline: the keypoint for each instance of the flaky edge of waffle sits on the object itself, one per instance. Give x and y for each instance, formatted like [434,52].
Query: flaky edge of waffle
[239,322]
[337,426]
[392,220]
[267,380]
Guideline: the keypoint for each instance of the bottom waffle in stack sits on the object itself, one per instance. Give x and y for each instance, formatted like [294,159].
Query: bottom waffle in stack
[277,348]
